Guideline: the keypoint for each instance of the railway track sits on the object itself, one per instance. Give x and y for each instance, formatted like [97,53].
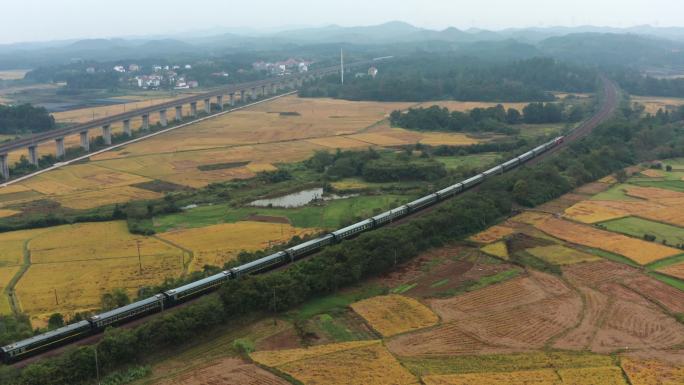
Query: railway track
[607,109]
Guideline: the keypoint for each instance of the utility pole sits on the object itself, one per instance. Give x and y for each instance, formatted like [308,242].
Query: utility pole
[137,243]
[342,65]
[56,300]
[97,367]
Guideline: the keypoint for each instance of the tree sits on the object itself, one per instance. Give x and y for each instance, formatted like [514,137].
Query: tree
[521,191]
[117,298]
[55,321]
[621,176]
[513,116]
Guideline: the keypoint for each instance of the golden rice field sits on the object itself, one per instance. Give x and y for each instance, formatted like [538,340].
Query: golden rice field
[652,372]
[92,199]
[352,363]
[6,274]
[13,74]
[653,173]
[12,245]
[73,265]
[395,314]
[561,255]
[576,376]
[218,244]
[676,270]
[497,249]
[655,103]
[640,251]
[492,234]
[530,217]
[8,213]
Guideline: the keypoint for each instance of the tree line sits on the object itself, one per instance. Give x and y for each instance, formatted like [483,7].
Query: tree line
[24,118]
[493,119]
[435,76]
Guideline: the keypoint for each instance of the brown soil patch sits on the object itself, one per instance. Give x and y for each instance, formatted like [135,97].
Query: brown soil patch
[227,371]
[559,205]
[666,295]
[286,339]
[595,273]
[267,219]
[416,267]
[520,242]
[592,188]
[580,337]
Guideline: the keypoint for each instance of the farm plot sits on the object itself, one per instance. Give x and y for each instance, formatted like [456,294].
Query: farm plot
[492,234]
[225,371]
[637,250]
[594,211]
[395,314]
[93,241]
[581,376]
[652,372]
[92,199]
[638,227]
[363,363]
[6,274]
[218,244]
[654,103]
[13,74]
[497,249]
[12,245]
[676,270]
[561,255]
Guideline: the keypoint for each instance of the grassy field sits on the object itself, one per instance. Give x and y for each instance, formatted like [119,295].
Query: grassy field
[330,215]
[561,255]
[638,227]
[477,161]
[395,314]
[655,103]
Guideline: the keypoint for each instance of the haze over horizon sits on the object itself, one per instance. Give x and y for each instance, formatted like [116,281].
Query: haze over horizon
[79,19]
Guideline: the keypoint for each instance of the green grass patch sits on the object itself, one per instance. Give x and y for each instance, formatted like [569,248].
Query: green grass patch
[610,256]
[637,227]
[337,331]
[672,281]
[674,185]
[403,288]
[221,166]
[666,262]
[615,193]
[334,301]
[332,214]
[528,260]
[533,131]
[440,283]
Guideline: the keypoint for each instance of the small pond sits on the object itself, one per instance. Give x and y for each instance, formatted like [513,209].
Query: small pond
[297,199]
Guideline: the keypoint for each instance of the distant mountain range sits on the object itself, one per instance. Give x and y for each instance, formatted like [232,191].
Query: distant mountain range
[581,43]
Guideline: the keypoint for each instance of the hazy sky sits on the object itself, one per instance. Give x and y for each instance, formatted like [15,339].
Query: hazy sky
[31,20]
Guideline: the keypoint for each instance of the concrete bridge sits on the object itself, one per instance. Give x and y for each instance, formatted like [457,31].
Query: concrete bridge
[251,90]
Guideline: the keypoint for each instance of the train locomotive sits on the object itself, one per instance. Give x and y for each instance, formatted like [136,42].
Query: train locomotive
[157,303]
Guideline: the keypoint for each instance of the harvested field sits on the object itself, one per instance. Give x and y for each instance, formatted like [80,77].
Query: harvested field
[655,103]
[667,296]
[395,314]
[576,376]
[651,173]
[218,244]
[447,139]
[80,177]
[592,188]
[92,199]
[492,234]
[652,372]
[559,205]
[561,255]
[12,245]
[379,139]
[642,252]
[593,211]
[363,363]
[226,371]
[596,273]
[335,142]
[530,217]
[8,213]
[658,195]
[676,270]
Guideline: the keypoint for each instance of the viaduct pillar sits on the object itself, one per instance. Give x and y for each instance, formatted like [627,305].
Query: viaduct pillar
[59,142]
[179,113]
[264,90]
[254,93]
[219,101]
[162,118]
[207,105]
[274,88]
[33,154]
[193,109]
[242,96]
[232,99]
[146,122]
[4,166]
[85,141]
[127,127]
[107,134]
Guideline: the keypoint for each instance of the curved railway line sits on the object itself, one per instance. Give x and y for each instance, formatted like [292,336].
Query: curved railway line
[182,295]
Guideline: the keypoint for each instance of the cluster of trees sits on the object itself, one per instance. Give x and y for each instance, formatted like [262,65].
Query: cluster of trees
[495,119]
[637,84]
[24,118]
[611,147]
[430,76]
[373,167]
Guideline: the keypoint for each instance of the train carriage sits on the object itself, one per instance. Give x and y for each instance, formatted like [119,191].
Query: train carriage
[352,230]
[45,341]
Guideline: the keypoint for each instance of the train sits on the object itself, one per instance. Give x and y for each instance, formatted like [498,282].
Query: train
[42,342]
